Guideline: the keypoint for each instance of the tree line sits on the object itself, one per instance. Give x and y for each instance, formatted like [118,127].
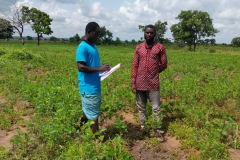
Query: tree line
[192,29]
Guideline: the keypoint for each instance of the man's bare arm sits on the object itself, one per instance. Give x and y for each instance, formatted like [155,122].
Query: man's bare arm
[82,67]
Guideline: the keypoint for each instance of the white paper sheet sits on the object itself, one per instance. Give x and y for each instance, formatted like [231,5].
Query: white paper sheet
[107,73]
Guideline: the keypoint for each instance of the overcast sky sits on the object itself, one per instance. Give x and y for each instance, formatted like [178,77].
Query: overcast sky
[123,17]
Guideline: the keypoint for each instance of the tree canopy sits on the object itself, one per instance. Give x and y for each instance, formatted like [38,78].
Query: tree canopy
[117,41]
[193,26]
[236,41]
[29,38]
[40,21]
[75,39]
[160,30]
[53,38]
[6,29]
[105,36]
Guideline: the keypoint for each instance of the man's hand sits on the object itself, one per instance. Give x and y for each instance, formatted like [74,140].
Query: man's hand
[105,67]
[134,89]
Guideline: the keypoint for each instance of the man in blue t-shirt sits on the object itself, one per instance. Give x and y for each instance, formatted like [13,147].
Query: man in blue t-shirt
[88,64]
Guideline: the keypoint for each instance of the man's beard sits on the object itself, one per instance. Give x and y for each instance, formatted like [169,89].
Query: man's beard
[149,40]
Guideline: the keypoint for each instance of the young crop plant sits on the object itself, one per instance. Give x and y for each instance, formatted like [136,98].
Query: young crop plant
[119,126]
[199,102]
[5,153]
[21,143]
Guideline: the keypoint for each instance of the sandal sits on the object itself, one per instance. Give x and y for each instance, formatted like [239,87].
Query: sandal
[159,134]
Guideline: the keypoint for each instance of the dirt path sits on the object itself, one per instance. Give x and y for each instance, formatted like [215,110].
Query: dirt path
[5,138]
[169,149]
[234,153]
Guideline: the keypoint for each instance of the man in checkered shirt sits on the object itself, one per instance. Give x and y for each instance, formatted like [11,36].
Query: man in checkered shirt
[149,60]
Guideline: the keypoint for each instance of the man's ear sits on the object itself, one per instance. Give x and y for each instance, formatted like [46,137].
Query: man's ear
[88,32]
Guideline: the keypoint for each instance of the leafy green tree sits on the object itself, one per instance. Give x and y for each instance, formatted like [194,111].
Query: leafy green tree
[29,38]
[105,36]
[40,21]
[200,41]
[206,41]
[212,41]
[193,26]
[52,38]
[166,41]
[133,41]
[236,41]
[180,43]
[72,40]
[75,39]
[118,41]
[160,30]
[6,29]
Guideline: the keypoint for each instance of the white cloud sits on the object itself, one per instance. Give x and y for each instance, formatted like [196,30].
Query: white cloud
[71,17]
[96,10]
[62,1]
[24,3]
[229,13]
[58,12]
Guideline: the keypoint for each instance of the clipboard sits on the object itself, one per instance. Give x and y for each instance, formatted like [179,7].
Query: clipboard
[108,73]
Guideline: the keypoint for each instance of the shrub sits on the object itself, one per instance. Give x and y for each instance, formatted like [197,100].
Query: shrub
[2,52]
[212,50]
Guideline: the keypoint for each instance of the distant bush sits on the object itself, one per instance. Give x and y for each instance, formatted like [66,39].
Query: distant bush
[29,38]
[20,54]
[236,41]
[2,52]
[212,50]
[52,38]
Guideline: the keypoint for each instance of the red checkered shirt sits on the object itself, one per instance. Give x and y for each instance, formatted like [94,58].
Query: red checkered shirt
[147,63]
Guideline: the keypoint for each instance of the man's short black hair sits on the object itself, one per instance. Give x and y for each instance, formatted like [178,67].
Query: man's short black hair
[150,26]
[91,26]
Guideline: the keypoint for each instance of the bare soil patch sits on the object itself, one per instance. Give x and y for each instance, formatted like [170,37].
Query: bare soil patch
[234,153]
[127,118]
[2,100]
[169,149]
[217,72]
[5,136]
[39,72]
[176,77]
[169,100]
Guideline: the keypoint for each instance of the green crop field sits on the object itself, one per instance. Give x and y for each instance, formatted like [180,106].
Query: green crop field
[200,104]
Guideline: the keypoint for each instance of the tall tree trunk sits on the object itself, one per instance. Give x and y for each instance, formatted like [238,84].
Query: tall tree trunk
[38,39]
[190,47]
[22,39]
[194,44]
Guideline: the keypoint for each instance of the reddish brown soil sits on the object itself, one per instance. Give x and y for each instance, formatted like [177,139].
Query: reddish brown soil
[5,136]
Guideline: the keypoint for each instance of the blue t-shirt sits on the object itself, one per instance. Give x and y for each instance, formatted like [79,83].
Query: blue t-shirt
[88,82]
